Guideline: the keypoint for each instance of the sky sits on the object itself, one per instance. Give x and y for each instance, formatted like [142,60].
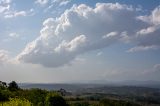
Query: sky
[67,41]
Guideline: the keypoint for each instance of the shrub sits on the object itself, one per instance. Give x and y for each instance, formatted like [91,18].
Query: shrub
[16,102]
[36,96]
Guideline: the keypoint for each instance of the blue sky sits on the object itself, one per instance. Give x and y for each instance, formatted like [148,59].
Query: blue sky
[79,40]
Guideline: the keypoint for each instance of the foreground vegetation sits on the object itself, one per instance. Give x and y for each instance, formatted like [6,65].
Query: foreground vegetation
[16,102]
[12,95]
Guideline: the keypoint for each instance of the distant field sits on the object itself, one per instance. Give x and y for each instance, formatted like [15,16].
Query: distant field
[93,93]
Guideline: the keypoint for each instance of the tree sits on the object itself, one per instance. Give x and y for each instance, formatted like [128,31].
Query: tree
[13,86]
[62,92]
[3,84]
[36,96]
[55,100]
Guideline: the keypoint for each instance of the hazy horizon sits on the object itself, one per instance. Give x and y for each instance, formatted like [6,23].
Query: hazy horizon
[65,41]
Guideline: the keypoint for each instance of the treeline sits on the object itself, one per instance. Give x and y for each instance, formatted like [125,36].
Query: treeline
[12,95]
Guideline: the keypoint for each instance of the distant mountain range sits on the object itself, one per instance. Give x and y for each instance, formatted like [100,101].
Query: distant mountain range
[149,83]
[77,86]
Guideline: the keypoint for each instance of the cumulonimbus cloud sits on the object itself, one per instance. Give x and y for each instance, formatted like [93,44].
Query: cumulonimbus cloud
[81,29]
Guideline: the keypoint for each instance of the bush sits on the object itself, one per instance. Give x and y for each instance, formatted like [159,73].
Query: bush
[36,96]
[4,95]
[16,102]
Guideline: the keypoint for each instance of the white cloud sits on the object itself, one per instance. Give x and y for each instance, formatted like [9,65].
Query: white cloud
[148,37]
[146,31]
[13,14]
[20,13]
[4,8]
[4,5]
[154,18]
[14,35]
[60,55]
[111,34]
[71,46]
[54,6]
[7,11]
[5,1]
[64,3]
[42,2]
[81,29]
[143,48]
[61,2]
